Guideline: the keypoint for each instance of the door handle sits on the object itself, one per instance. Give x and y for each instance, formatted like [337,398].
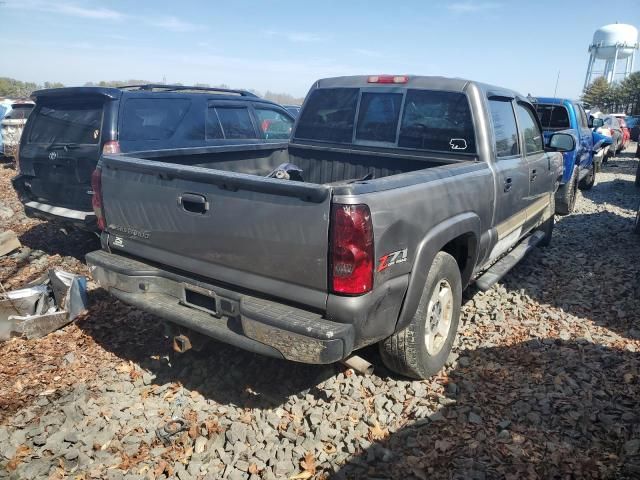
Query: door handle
[194,203]
[508,183]
[534,174]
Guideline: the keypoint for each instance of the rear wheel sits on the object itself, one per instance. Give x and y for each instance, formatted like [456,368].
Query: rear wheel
[566,194]
[421,349]
[547,226]
[589,181]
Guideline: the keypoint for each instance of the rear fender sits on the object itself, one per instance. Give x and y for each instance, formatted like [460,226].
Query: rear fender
[439,236]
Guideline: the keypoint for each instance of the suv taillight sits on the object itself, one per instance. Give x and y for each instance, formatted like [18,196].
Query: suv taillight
[351,250]
[96,200]
[112,146]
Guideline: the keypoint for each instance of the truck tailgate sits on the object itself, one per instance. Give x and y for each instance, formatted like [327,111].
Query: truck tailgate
[262,234]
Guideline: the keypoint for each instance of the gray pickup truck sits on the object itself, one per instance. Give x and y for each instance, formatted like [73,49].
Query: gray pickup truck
[393,195]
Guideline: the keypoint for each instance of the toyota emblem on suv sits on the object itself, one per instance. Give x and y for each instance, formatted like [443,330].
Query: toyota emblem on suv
[53,155]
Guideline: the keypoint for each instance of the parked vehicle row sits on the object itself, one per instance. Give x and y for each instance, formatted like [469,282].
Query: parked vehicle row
[582,164]
[361,222]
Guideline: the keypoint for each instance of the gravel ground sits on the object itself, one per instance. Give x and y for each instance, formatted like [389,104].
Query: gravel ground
[543,381]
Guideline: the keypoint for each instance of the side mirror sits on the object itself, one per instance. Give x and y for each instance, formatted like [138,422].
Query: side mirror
[597,122]
[561,142]
[590,122]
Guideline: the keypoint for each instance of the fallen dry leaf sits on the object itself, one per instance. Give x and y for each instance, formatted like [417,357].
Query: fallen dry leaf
[21,453]
[377,432]
[308,464]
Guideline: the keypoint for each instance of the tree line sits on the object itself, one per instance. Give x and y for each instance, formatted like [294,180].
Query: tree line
[617,97]
[15,89]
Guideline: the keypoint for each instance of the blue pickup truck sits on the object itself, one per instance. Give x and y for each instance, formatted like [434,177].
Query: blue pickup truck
[580,165]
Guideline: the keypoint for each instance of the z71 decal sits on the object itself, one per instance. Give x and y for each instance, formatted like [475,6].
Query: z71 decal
[391,259]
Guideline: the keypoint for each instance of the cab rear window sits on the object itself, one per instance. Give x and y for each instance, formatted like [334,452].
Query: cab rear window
[152,118]
[553,116]
[75,122]
[416,119]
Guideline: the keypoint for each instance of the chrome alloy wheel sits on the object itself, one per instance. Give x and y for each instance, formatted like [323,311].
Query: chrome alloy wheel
[439,316]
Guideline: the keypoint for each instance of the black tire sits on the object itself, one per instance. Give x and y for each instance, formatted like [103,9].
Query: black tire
[637,182]
[589,181]
[406,352]
[636,225]
[566,194]
[547,228]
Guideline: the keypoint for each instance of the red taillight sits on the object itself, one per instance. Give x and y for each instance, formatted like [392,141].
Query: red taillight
[96,200]
[112,146]
[351,250]
[388,79]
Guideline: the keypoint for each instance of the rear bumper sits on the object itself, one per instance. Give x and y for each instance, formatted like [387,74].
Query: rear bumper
[67,216]
[85,220]
[251,323]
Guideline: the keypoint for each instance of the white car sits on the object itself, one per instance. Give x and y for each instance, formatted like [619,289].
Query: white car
[12,125]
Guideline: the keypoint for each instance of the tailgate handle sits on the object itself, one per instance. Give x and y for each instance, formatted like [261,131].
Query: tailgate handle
[194,203]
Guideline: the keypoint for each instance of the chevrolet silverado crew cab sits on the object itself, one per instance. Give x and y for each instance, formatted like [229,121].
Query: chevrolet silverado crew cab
[394,193]
[71,127]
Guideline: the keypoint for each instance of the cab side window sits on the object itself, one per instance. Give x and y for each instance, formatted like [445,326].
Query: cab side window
[582,117]
[533,141]
[504,127]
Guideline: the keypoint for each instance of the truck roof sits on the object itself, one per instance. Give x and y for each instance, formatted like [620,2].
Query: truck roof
[551,100]
[419,81]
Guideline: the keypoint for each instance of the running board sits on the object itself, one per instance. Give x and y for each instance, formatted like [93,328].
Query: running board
[499,269]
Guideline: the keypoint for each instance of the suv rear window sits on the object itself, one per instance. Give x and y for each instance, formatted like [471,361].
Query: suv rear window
[553,116]
[67,123]
[431,120]
[19,112]
[152,118]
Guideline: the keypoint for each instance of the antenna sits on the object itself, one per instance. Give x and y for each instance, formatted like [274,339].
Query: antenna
[555,91]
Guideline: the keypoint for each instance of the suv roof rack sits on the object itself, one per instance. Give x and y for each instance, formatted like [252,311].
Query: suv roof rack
[176,88]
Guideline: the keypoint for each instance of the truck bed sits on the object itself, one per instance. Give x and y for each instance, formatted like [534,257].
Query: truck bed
[319,165]
[214,213]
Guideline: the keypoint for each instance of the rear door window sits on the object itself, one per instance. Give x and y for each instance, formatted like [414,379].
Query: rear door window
[504,128]
[378,117]
[236,122]
[274,125]
[533,141]
[435,120]
[74,122]
[214,129]
[329,115]
[152,118]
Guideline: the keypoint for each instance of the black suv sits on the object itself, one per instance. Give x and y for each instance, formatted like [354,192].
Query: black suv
[71,127]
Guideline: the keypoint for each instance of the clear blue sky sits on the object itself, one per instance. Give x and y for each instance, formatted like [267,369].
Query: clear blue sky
[284,45]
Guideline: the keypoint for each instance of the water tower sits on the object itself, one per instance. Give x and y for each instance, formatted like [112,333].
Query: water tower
[612,43]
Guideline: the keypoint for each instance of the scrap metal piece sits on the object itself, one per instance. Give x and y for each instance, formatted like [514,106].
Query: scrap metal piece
[171,428]
[8,242]
[40,309]
[181,343]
